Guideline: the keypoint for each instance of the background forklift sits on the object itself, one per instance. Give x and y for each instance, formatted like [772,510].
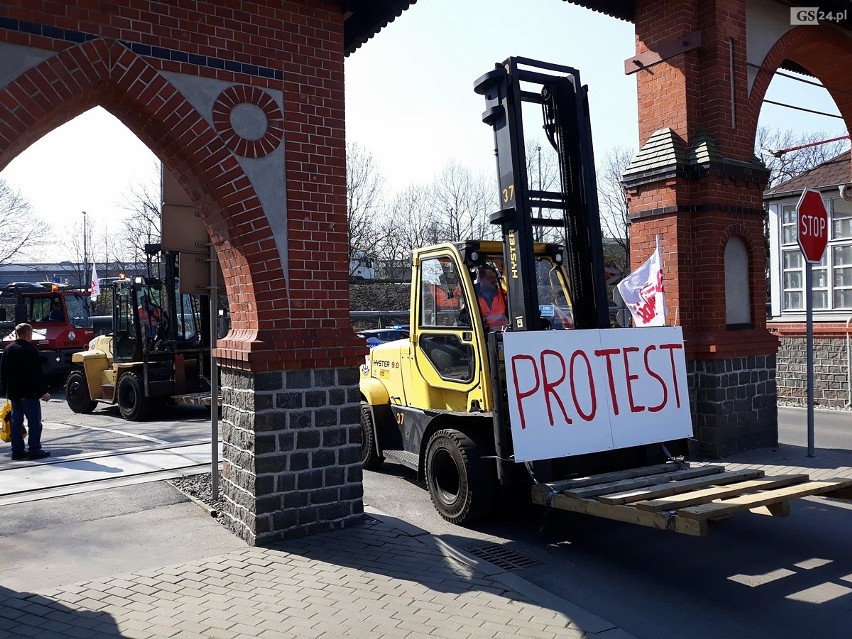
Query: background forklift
[158,352]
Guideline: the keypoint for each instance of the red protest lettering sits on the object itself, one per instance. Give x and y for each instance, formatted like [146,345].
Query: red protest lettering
[662,404]
[520,396]
[634,408]
[608,353]
[548,386]
[646,308]
[591,415]
[671,348]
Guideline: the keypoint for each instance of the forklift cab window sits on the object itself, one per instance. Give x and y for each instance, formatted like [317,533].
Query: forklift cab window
[491,299]
[440,292]
[553,304]
[150,313]
[55,314]
[79,311]
[442,309]
[124,329]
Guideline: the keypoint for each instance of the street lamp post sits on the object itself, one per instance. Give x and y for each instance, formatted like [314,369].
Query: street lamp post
[85,254]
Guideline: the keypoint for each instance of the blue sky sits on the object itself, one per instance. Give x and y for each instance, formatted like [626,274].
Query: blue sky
[409,101]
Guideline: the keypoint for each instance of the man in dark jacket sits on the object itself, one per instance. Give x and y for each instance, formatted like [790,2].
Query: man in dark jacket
[23,380]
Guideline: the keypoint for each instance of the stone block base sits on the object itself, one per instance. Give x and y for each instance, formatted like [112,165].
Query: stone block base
[734,404]
[291,452]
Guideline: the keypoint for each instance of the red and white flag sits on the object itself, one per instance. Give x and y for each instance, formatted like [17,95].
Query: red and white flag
[643,293]
[95,286]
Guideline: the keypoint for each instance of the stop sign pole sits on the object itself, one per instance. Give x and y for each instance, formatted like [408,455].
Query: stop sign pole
[812,234]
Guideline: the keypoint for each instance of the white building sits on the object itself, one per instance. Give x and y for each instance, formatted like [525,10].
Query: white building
[832,287]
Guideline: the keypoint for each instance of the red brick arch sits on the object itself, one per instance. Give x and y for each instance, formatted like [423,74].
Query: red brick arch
[825,51]
[104,72]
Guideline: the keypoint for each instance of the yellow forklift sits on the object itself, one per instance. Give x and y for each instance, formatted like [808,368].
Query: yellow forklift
[592,419]
[158,351]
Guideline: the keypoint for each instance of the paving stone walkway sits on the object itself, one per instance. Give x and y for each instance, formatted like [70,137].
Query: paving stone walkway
[375,580]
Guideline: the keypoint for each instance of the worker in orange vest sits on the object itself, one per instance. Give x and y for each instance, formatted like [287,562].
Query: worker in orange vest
[492,299]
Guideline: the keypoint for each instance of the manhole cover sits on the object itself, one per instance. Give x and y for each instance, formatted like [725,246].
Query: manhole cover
[502,557]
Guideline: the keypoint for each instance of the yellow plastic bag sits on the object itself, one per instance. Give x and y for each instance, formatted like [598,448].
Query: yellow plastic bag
[6,422]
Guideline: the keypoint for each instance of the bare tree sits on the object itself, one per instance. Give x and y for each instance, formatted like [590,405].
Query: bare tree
[406,224]
[142,222]
[461,203]
[364,184]
[788,154]
[614,207]
[22,231]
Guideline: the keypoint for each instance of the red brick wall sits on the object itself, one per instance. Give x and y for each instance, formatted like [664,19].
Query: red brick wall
[696,216]
[293,47]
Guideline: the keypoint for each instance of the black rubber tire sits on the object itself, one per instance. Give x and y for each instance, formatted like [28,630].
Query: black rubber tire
[77,393]
[132,403]
[460,482]
[370,458]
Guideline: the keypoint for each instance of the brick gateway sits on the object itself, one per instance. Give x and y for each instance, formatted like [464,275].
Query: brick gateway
[228,96]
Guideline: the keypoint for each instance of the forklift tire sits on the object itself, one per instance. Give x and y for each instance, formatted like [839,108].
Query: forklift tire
[77,393]
[460,481]
[132,403]
[370,458]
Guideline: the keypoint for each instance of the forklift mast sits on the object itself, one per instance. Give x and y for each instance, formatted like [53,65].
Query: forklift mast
[565,111]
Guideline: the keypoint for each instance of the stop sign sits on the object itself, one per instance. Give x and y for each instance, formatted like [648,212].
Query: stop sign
[812,222]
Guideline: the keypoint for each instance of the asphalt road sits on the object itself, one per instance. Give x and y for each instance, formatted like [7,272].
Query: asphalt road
[67,433]
[752,576]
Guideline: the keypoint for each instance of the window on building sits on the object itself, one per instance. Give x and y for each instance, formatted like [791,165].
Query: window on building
[832,277]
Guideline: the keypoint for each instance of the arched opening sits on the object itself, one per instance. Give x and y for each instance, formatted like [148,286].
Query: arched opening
[107,184]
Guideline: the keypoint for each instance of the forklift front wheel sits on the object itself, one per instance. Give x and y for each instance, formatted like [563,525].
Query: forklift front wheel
[370,458]
[459,480]
[132,403]
[77,393]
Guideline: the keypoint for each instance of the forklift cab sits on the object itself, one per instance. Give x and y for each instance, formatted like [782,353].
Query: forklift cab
[143,323]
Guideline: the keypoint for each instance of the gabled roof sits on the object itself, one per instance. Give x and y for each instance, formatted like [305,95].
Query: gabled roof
[830,173]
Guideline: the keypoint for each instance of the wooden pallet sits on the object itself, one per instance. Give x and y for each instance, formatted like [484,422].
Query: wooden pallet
[673,496]
[198,399]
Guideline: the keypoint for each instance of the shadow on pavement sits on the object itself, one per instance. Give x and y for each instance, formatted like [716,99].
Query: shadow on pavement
[24,614]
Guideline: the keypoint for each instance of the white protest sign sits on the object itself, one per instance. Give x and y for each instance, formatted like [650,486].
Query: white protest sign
[585,391]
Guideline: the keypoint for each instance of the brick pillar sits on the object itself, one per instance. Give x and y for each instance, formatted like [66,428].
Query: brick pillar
[291,452]
[696,184]
[252,127]
[291,403]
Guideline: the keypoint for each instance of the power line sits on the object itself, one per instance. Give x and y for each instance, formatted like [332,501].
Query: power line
[803,80]
[798,108]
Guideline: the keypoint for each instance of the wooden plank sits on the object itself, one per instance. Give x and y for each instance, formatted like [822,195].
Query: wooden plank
[627,514]
[640,482]
[678,487]
[705,496]
[724,508]
[591,480]
[843,493]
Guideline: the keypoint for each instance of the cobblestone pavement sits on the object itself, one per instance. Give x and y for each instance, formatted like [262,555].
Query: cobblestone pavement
[376,580]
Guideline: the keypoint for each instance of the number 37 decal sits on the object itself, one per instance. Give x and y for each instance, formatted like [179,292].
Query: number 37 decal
[508,193]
